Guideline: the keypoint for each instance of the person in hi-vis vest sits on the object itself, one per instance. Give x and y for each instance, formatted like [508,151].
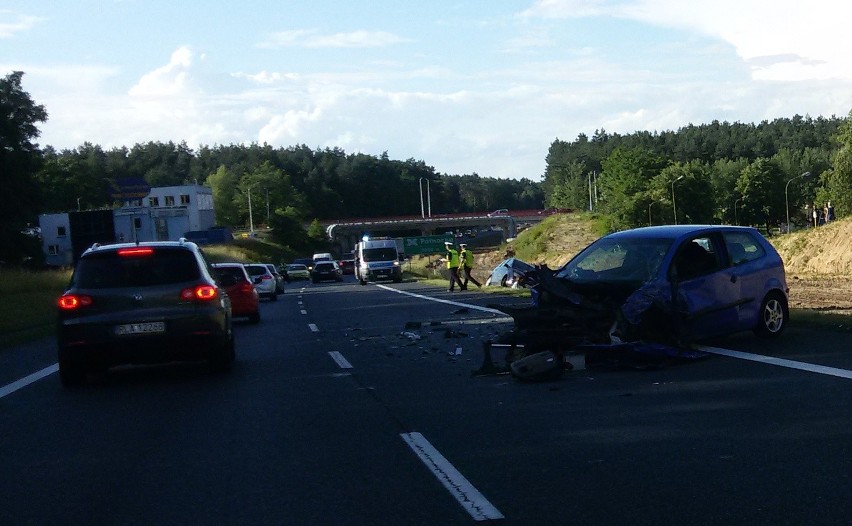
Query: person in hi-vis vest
[466,257]
[453,262]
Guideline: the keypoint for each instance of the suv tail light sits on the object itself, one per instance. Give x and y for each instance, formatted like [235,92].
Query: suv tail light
[199,292]
[69,302]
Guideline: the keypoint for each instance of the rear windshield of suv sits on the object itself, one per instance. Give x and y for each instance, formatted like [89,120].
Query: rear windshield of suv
[109,270]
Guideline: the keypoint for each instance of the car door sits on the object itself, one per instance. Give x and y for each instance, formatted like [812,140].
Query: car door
[746,259]
[707,290]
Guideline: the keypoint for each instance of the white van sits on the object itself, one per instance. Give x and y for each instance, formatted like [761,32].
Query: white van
[377,259]
[323,256]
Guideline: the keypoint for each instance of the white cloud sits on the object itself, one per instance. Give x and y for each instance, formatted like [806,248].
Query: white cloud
[12,23]
[167,81]
[313,39]
[786,40]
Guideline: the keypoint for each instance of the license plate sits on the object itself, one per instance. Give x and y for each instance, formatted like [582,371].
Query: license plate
[152,327]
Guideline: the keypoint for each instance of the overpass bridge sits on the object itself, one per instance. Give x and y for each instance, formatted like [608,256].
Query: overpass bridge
[344,233]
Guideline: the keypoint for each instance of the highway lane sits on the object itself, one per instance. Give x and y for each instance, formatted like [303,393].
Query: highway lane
[296,436]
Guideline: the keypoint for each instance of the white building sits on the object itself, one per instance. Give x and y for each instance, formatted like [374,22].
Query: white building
[165,214]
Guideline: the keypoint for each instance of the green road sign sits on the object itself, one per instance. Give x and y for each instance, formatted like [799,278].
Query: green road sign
[425,244]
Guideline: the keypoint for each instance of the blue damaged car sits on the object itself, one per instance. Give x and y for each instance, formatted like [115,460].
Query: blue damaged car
[672,284]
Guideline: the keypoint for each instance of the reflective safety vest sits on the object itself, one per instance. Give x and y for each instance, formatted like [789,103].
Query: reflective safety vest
[452,258]
[467,258]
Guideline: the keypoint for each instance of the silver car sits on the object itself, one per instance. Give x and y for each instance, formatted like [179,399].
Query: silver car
[264,280]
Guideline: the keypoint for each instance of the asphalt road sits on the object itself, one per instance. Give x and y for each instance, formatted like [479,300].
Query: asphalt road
[334,416]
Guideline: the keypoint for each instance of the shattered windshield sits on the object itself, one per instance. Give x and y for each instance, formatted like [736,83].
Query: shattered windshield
[617,260]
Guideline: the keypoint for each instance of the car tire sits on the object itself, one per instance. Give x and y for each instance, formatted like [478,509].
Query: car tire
[273,297]
[254,317]
[71,375]
[223,359]
[504,281]
[773,316]
[363,281]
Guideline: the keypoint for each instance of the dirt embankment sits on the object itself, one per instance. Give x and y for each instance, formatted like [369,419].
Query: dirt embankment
[819,266]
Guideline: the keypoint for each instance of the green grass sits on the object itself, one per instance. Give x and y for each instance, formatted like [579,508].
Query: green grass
[249,251]
[28,309]
[821,320]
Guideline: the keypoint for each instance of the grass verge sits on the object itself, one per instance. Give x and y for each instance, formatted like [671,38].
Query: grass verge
[28,309]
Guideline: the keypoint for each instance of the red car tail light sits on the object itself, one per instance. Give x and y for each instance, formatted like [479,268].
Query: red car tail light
[246,287]
[71,302]
[135,252]
[199,292]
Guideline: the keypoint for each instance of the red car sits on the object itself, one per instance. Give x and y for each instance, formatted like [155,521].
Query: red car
[347,266]
[236,282]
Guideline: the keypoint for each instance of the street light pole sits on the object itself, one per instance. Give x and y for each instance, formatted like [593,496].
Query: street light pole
[674,206]
[428,198]
[736,217]
[787,201]
[251,221]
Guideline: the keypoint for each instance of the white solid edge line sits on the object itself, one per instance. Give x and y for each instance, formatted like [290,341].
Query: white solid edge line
[439,300]
[780,362]
[313,327]
[340,360]
[27,380]
[469,497]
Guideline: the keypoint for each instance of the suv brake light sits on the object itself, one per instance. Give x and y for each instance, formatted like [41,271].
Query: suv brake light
[135,252]
[70,302]
[199,292]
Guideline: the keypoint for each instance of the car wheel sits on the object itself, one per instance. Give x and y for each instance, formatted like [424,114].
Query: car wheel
[774,314]
[273,297]
[223,359]
[504,281]
[71,375]
[254,317]
[363,281]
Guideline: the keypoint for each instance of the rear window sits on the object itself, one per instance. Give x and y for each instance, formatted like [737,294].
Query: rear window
[324,266]
[257,270]
[110,270]
[234,272]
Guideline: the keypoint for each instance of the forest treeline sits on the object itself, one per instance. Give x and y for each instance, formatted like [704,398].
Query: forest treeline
[731,172]
[734,173]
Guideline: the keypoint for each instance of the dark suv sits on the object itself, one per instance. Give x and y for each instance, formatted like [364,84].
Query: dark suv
[142,303]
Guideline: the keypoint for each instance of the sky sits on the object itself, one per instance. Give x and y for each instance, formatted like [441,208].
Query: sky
[480,86]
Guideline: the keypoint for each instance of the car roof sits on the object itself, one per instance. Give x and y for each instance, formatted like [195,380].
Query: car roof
[182,243]
[676,231]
